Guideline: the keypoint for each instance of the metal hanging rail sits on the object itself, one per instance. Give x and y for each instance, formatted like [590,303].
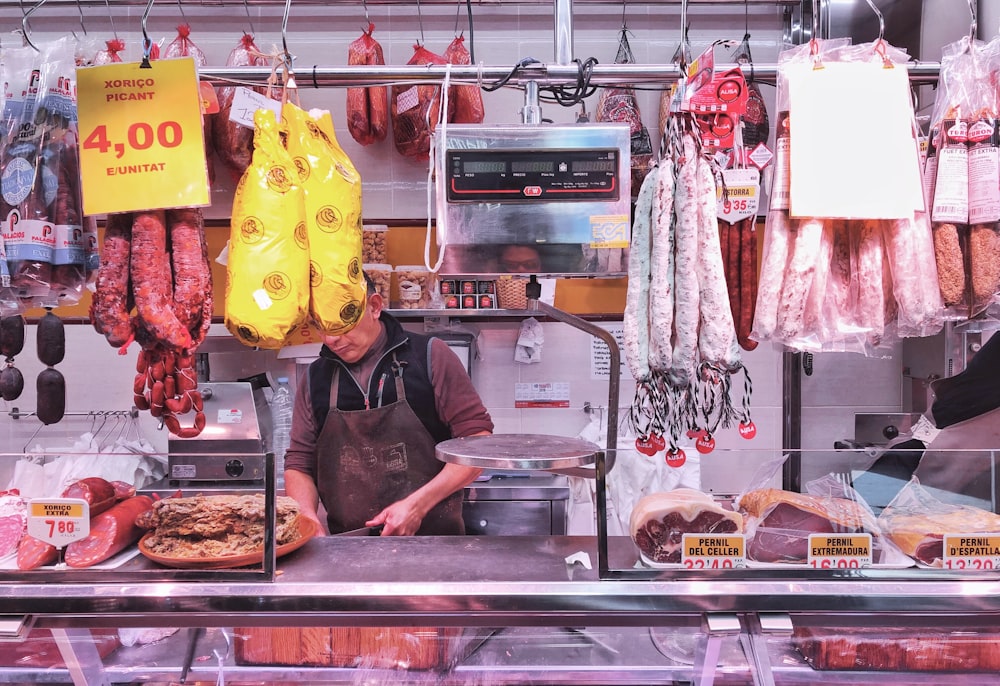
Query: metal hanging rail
[353,3]
[542,74]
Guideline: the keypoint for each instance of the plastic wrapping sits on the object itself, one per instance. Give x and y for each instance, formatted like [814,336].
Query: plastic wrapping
[416,110]
[332,191]
[778,523]
[267,289]
[183,46]
[619,105]
[843,285]
[232,143]
[917,522]
[468,99]
[41,202]
[367,107]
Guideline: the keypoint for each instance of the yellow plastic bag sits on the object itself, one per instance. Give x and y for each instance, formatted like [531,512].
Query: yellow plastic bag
[332,190]
[267,284]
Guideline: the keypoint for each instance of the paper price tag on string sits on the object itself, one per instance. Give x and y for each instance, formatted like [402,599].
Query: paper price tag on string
[246,101]
[58,521]
[141,138]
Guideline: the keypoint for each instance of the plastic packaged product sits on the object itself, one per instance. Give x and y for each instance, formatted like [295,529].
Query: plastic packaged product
[373,248]
[281,417]
[416,287]
[381,274]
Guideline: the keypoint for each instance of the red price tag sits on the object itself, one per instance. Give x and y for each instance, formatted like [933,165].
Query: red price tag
[748,430]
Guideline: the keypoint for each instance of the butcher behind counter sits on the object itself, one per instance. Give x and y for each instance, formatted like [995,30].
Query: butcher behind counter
[367,417]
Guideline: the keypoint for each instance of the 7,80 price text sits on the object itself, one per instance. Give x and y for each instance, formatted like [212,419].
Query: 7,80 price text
[60,527]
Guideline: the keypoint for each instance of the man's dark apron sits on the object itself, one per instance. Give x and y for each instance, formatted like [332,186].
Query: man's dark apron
[369,459]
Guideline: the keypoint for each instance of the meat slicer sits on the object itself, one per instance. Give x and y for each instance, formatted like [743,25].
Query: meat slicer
[229,451]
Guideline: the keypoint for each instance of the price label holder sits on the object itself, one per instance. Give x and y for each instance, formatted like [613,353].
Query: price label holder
[713,551]
[141,140]
[840,551]
[58,521]
[971,552]
[739,196]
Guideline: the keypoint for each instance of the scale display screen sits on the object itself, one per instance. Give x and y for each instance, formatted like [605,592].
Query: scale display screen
[494,176]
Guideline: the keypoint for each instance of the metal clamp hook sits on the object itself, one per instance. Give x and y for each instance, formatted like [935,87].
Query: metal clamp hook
[147,44]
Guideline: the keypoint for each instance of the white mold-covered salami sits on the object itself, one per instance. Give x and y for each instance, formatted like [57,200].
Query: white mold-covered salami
[717,342]
[797,281]
[636,318]
[686,268]
[772,274]
[661,287]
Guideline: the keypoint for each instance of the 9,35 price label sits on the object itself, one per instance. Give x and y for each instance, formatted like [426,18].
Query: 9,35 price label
[58,521]
[742,194]
[142,144]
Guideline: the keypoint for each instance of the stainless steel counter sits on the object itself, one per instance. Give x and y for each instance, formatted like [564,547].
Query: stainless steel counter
[481,581]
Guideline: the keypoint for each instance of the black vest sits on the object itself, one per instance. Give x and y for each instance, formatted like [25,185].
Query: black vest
[412,350]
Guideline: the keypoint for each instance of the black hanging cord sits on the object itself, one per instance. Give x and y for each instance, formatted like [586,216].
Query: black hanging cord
[570,96]
[500,83]
[472,32]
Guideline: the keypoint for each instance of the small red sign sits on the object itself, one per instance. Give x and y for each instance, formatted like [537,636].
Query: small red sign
[645,446]
[748,430]
[676,458]
[705,444]
[533,191]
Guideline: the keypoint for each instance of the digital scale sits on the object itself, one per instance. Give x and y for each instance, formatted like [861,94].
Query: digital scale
[561,191]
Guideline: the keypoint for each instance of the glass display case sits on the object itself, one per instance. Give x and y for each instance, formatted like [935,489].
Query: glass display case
[515,609]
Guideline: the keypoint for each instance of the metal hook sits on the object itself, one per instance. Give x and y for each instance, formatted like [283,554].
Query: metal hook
[284,32]
[111,17]
[881,20]
[458,13]
[79,8]
[624,5]
[368,21]
[420,21]
[147,44]
[249,19]
[973,25]
[180,6]
[24,24]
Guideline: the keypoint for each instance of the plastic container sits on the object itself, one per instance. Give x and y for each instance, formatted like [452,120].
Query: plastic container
[381,274]
[416,287]
[281,417]
[373,246]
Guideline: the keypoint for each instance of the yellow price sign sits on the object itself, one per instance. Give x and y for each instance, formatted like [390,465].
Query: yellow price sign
[142,144]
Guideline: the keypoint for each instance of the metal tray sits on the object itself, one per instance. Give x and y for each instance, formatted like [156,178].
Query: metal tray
[518,451]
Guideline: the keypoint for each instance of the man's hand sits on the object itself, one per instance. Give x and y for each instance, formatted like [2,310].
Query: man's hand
[302,488]
[402,518]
